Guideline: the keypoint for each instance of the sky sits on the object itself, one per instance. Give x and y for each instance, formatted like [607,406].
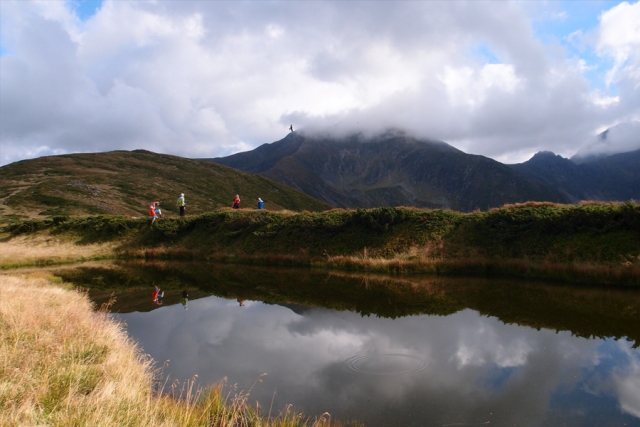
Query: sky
[503,79]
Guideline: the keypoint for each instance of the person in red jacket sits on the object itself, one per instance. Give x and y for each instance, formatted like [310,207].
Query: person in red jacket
[236,202]
[152,212]
[156,295]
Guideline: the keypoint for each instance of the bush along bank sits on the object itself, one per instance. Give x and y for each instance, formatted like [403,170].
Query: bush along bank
[592,242]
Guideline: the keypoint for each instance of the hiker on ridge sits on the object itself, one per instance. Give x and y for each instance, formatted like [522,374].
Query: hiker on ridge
[181,204]
[291,128]
[260,203]
[157,209]
[236,202]
[152,212]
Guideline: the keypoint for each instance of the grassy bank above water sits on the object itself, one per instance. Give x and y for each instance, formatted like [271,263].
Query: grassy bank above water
[63,364]
[590,243]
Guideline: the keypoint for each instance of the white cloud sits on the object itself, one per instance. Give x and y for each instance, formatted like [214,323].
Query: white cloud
[468,86]
[618,138]
[620,38]
[604,101]
[275,31]
[211,78]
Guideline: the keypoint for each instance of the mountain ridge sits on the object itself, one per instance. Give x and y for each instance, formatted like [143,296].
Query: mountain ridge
[390,169]
[614,177]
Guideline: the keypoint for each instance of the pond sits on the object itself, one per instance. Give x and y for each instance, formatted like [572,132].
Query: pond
[388,350]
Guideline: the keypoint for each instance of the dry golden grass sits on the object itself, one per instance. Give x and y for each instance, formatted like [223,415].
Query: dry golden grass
[26,250]
[63,364]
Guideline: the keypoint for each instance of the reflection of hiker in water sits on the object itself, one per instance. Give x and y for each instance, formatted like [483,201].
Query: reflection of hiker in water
[236,202]
[185,299]
[241,302]
[156,295]
[291,128]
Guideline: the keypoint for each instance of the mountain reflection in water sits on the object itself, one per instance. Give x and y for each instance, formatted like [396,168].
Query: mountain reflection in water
[426,352]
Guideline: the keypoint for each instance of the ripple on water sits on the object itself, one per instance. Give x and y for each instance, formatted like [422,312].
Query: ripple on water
[386,364]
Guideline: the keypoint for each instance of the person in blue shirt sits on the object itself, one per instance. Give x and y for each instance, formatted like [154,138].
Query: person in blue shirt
[260,203]
[157,209]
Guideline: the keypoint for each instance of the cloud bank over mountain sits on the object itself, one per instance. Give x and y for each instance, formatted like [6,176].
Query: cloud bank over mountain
[208,79]
[621,138]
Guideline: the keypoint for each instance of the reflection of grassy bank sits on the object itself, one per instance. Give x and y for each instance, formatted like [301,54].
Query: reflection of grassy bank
[591,243]
[580,272]
[586,312]
[63,364]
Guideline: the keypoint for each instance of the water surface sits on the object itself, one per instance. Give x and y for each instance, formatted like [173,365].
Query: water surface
[392,351]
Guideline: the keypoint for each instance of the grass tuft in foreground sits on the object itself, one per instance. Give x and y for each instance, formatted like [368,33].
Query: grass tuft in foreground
[64,364]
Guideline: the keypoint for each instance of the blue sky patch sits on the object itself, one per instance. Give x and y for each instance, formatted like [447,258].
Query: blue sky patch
[85,9]
[569,24]
[483,54]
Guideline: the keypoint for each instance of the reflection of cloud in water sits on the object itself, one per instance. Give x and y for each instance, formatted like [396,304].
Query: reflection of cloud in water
[480,344]
[627,381]
[476,369]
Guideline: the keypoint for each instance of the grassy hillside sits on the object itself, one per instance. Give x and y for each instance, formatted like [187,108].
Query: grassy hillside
[598,243]
[124,183]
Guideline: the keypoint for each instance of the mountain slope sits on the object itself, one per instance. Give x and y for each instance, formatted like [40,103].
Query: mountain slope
[125,182]
[609,178]
[391,169]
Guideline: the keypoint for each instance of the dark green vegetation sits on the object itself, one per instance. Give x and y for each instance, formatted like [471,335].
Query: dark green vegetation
[586,312]
[124,182]
[594,243]
[391,169]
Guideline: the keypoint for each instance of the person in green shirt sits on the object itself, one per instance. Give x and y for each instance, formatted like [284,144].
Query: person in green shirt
[182,204]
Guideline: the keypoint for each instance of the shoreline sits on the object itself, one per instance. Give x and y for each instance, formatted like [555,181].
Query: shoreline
[577,273]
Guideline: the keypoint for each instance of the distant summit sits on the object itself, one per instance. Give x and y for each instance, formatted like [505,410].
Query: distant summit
[543,156]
